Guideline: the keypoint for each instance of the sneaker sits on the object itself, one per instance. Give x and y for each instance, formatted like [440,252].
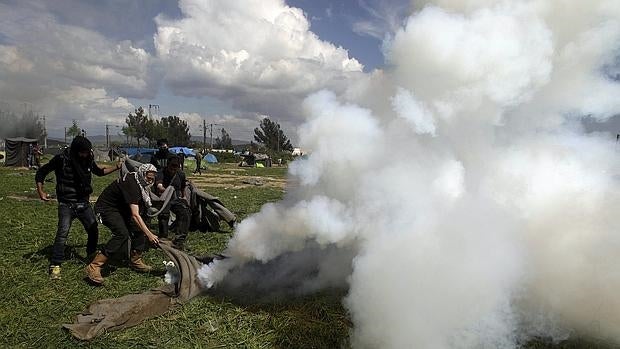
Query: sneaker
[54,272]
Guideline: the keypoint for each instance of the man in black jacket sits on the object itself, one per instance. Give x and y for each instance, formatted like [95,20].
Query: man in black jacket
[160,158]
[171,175]
[73,169]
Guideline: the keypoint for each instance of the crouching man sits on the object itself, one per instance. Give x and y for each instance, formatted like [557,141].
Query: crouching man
[73,169]
[121,206]
[179,205]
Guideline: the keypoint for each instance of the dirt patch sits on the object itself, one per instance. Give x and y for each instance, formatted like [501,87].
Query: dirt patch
[236,181]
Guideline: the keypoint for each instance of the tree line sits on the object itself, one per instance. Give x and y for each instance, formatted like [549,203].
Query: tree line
[145,130]
[142,128]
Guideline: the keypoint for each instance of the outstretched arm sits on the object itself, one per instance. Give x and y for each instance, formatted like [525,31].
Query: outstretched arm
[135,214]
[102,171]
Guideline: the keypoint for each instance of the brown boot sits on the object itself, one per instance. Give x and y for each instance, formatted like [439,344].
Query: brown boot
[136,263]
[93,270]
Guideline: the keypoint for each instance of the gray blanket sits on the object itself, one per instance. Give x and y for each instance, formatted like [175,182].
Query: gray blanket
[126,311]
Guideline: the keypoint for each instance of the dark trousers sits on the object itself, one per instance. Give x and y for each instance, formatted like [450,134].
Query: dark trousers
[198,169]
[125,235]
[182,212]
[67,212]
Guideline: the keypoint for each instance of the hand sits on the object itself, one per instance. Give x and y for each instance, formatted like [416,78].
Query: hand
[153,238]
[43,196]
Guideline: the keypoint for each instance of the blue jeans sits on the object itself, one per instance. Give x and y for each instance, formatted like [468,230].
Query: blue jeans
[67,212]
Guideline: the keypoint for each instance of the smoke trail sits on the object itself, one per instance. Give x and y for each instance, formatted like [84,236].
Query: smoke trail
[470,208]
[27,125]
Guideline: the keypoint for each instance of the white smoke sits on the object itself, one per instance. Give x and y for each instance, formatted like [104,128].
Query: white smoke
[472,210]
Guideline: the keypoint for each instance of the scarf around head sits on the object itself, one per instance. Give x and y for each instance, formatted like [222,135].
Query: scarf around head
[140,176]
[80,165]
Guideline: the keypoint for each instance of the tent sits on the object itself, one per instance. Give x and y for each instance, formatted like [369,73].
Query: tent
[210,158]
[185,150]
[17,151]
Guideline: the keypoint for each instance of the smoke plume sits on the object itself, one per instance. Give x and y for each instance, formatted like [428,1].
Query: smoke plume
[455,193]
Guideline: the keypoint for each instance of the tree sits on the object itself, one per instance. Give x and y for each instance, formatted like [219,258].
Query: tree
[271,136]
[154,131]
[74,130]
[176,130]
[137,125]
[224,142]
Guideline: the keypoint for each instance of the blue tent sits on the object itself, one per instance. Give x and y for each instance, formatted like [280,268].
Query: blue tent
[185,150]
[210,158]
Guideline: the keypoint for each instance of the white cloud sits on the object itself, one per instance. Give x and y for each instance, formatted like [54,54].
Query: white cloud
[259,54]
[91,107]
[68,72]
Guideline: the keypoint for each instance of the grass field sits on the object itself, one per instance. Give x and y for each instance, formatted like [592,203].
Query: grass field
[33,308]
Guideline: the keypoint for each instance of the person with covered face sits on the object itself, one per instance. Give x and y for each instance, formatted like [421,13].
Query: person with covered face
[73,169]
[160,158]
[121,206]
[179,205]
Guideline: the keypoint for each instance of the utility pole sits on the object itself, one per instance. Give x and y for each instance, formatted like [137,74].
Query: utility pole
[155,107]
[65,135]
[204,134]
[211,127]
[107,135]
[44,133]
[211,136]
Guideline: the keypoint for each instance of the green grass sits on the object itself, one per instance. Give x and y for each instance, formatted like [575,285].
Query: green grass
[33,308]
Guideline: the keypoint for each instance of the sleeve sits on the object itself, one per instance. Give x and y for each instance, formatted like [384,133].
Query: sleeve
[154,161]
[131,190]
[96,169]
[159,178]
[44,170]
[183,180]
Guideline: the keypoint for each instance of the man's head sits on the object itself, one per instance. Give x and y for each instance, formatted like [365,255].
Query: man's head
[147,173]
[173,165]
[81,148]
[149,177]
[162,143]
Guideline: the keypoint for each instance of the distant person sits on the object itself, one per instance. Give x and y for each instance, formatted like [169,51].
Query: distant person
[198,157]
[112,154]
[179,205]
[160,158]
[30,157]
[121,206]
[181,156]
[36,153]
[73,170]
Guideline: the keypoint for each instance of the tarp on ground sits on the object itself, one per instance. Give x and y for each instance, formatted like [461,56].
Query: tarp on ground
[185,150]
[210,158]
[119,313]
[130,151]
[17,150]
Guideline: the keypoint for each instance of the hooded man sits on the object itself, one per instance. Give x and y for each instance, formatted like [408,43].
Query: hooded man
[160,158]
[121,206]
[73,169]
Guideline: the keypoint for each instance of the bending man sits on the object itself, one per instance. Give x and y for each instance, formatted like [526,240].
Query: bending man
[121,205]
[179,205]
[73,170]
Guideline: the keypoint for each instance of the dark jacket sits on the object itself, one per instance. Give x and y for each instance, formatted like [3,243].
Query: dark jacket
[160,158]
[69,188]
